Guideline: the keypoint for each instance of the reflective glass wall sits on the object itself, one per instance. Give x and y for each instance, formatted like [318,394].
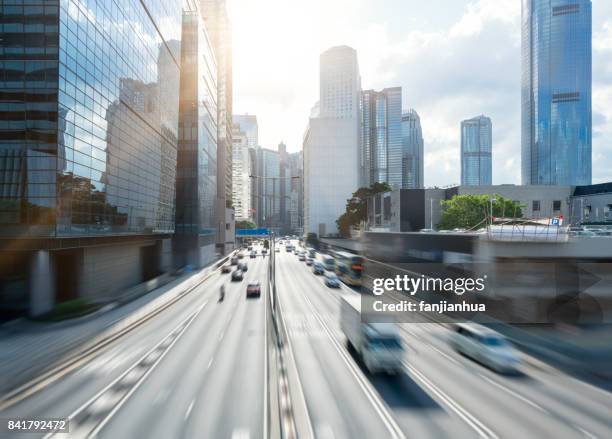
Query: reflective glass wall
[96,152]
[556,92]
[412,151]
[476,148]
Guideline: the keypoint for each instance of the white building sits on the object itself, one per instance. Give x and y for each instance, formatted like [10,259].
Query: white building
[241,180]
[331,142]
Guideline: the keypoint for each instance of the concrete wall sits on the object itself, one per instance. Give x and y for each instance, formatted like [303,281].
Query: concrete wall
[593,208]
[109,269]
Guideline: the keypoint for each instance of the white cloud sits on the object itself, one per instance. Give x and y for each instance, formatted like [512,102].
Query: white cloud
[452,63]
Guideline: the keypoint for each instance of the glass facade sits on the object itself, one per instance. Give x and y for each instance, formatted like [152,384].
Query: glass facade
[476,147]
[556,92]
[89,96]
[381,149]
[412,151]
[196,185]
[269,187]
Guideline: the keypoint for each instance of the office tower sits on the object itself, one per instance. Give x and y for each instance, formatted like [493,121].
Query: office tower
[381,137]
[268,188]
[285,187]
[196,185]
[331,142]
[248,124]
[476,146]
[87,148]
[413,155]
[556,92]
[296,200]
[218,27]
[241,174]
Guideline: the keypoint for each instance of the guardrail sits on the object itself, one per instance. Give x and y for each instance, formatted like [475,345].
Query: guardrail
[287,408]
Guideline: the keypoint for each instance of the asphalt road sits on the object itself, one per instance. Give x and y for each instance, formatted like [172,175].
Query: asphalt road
[440,394]
[197,370]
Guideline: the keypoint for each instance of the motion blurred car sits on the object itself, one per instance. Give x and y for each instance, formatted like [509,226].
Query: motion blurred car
[234,260]
[240,255]
[485,346]
[243,266]
[277,250]
[253,289]
[318,268]
[264,251]
[253,254]
[331,280]
[309,261]
[237,274]
[302,257]
[226,269]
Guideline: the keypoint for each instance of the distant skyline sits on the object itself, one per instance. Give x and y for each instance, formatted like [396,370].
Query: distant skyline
[452,58]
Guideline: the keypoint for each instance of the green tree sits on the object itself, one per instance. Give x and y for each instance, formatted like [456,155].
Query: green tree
[357,207]
[312,240]
[469,211]
[244,225]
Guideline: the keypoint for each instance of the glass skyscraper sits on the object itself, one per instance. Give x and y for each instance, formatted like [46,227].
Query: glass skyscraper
[89,96]
[412,151]
[476,148]
[381,150]
[556,92]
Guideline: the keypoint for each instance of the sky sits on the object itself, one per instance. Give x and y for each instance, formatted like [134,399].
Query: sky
[454,59]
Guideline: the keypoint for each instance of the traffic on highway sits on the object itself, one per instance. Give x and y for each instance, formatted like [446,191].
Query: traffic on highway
[207,367]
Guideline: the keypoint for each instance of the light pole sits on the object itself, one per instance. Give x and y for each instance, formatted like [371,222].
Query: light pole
[491,211]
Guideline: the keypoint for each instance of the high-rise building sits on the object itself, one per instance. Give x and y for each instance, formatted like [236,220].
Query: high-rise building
[248,124]
[241,174]
[556,92]
[331,142]
[268,188]
[381,137]
[218,27]
[296,195]
[476,148]
[339,83]
[413,156]
[196,183]
[285,187]
[88,148]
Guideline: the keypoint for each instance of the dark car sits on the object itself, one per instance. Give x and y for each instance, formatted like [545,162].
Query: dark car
[234,261]
[318,268]
[237,274]
[264,251]
[253,254]
[309,261]
[253,289]
[226,269]
[243,266]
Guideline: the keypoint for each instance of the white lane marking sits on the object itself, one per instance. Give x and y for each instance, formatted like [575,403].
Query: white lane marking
[183,325]
[188,412]
[444,354]
[513,393]
[241,433]
[210,363]
[221,335]
[586,433]
[381,408]
[481,429]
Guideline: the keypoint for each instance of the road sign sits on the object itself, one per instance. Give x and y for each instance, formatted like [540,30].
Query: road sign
[253,232]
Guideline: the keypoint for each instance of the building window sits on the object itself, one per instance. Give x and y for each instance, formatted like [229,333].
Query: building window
[587,211]
[556,205]
[608,211]
[535,205]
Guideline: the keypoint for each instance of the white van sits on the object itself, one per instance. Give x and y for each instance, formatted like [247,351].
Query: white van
[485,346]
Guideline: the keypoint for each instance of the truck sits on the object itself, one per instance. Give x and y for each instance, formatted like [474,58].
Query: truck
[377,343]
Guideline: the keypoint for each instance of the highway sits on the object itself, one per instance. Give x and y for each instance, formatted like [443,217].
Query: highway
[205,379]
[441,393]
[198,370]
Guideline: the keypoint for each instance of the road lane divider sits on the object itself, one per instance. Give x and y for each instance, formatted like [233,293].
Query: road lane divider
[88,419]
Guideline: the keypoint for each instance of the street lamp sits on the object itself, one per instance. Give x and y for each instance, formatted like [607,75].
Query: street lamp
[491,211]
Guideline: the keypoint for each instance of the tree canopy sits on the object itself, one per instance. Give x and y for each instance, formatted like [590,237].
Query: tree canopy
[357,208]
[468,211]
[244,225]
